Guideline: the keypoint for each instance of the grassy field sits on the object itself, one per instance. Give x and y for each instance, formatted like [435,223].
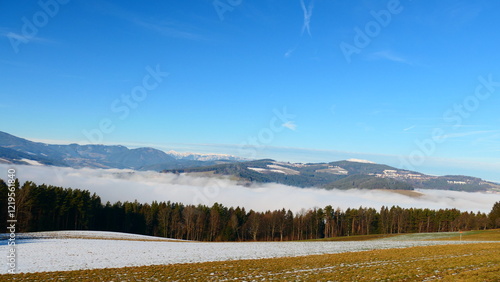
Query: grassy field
[482,235]
[468,262]
[355,238]
[477,235]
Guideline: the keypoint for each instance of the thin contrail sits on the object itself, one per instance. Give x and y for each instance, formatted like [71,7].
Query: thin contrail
[307,16]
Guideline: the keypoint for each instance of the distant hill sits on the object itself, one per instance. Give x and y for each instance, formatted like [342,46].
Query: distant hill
[21,151]
[341,175]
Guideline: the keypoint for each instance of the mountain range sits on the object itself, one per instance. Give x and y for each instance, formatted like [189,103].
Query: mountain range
[347,174]
[21,151]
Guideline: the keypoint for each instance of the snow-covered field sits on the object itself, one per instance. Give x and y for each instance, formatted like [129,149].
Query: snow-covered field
[60,251]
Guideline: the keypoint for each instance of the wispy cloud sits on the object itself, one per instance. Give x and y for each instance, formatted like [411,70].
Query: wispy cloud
[14,36]
[24,39]
[169,29]
[488,143]
[290,125]
[491,138]
[409,128]
[390,56]
[462,12]
[464,134]
[289,52]
[307,16]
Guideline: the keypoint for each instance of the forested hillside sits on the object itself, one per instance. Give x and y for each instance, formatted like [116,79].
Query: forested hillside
[43,208]
[361,181]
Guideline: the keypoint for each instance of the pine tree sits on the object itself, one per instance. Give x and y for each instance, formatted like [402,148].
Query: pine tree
[4,191]
[494,215]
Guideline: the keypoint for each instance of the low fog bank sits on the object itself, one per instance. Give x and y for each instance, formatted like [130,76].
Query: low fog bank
[126,185]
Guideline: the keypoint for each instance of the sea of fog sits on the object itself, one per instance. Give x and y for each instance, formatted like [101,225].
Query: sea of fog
[127,185]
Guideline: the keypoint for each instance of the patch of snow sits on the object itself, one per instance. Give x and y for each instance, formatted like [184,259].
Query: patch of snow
[284,169]
[257,169]
[292,164]
[31,162]
[334,170]
[360,161]
[275,169]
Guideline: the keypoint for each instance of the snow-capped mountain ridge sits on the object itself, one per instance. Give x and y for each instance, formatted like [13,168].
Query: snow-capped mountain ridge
[360,161]
[202,156]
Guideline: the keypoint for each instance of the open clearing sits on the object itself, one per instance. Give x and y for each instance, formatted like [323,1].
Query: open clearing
[125,257]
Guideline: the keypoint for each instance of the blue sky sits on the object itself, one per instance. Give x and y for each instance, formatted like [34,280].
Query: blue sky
[414,84]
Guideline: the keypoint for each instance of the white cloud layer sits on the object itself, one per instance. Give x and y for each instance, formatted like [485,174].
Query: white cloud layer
[126,185]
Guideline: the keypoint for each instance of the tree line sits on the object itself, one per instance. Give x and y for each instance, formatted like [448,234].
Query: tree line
[45,208]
